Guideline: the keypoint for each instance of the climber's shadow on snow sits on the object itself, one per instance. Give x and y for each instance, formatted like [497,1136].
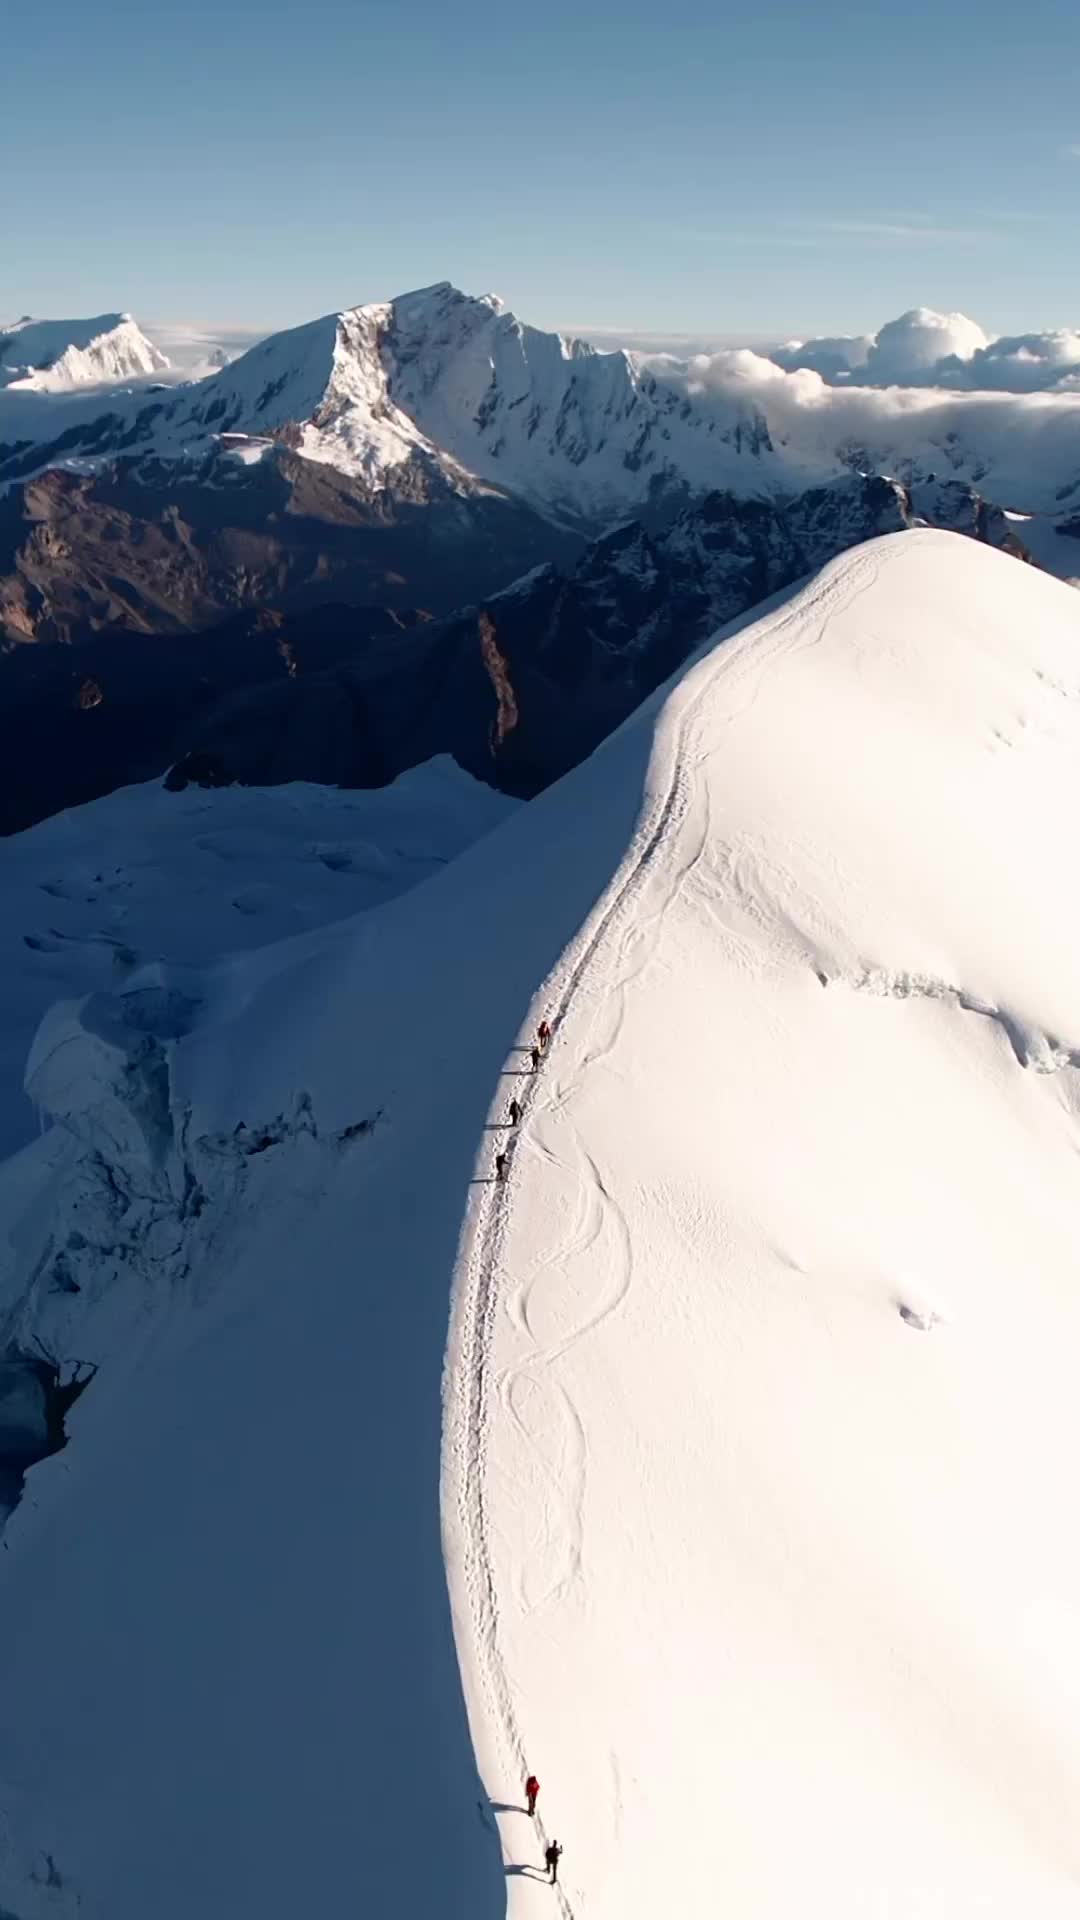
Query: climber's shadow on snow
[525,1873]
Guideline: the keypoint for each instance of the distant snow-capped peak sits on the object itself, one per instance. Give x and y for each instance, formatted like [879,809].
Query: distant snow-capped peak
[460,383]
[440,392]
[54,356]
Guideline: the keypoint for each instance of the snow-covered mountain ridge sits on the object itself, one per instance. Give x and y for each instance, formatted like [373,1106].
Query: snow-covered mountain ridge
[439,389]
[423,452]
[453,387]
[791,1209]
[58,356]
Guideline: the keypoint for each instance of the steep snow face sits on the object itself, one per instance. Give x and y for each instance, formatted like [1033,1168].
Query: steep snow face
[579,432]
[282,379]
[453,389]
[323,388]
[744,1559]
[54,356]
[463,388]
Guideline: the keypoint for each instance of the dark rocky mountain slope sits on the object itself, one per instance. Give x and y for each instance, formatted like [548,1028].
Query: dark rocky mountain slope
[522,686]
[168,548]
[518,686]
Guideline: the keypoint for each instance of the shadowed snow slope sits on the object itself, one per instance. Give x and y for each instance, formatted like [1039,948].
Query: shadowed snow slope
[143,875]
[759,1421]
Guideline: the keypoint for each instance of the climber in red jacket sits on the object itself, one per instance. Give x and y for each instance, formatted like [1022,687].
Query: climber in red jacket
[532,1788]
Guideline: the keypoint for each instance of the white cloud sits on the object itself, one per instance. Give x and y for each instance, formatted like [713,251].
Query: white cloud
[1022,363]
[1022,449]
[683,346]
[903,230]
[195,350]
[920,349]
[834,356]
[907,349]
[923,348]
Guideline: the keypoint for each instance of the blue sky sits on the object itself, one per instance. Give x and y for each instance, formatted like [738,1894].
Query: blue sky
[770,167]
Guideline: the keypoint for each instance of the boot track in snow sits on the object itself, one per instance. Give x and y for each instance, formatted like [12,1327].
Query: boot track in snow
[469,1384]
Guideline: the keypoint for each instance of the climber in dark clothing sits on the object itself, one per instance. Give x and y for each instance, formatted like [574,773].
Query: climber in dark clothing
[543,1034]
[551,1859]
[500,1166]
[535,1058]
[515,1112]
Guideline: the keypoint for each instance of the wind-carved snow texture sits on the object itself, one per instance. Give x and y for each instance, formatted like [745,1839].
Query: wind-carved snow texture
[1033,1049]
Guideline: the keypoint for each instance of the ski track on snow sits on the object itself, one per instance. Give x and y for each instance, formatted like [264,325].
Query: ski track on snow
[487,1266]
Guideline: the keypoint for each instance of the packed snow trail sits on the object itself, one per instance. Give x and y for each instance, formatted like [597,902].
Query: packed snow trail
[736,1565]
[636,936]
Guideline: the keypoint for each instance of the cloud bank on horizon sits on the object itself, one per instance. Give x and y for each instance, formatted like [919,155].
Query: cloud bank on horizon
[921,348]
[925,348]
[194,351]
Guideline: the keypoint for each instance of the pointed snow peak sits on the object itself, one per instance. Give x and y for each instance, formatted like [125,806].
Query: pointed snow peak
[444,305]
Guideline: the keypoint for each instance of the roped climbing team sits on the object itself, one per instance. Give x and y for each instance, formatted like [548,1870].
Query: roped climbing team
[553,1851]
[514,1112]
